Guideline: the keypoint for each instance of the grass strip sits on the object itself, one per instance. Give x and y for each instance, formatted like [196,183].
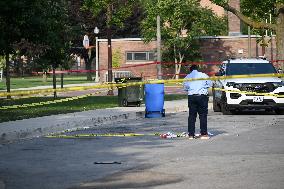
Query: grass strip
[79,105]
[27,82]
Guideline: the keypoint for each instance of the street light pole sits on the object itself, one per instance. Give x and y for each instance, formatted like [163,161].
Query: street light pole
[271,39]
[109,52]
[110,92]
[249,42]
[86,44]
[97,60]
[96,31]
[159,56]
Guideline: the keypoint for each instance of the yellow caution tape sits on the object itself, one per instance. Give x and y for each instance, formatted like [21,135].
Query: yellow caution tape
[111,85]
[44,91]
[249,93]
[120,85]
[109,135]
[101,135]
[47,102]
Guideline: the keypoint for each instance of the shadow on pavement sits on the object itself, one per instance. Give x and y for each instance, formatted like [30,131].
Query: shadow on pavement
[132,178]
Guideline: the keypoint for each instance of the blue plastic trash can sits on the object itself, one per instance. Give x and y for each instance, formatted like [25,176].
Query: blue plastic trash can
[154,100]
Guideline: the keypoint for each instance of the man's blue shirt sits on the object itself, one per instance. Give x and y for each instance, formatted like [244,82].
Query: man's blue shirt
[199,87]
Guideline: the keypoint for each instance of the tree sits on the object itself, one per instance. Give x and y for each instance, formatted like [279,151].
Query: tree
[183,21]
[253,14]
[84,22]
[116,11]
[57,38]
[43,28]
[16,24]
[116,58]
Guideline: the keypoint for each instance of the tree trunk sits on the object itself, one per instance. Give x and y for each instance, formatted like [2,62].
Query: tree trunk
[175,56]
[8,84]
[54,82]
[178,66]
[180,61]
[176,69]
[62,79]
[280,39]
[88,65]
[22,69]
[44,76]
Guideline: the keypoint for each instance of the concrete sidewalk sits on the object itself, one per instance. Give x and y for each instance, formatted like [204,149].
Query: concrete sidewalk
[34,127]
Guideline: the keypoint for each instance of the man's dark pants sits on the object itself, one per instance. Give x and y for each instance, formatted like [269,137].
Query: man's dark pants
[197,104]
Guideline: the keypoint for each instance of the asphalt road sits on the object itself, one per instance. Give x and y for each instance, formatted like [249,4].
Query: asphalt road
[246,151]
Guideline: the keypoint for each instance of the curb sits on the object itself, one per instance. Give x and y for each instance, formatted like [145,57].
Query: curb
[41,130]
[37,127]
[41,126]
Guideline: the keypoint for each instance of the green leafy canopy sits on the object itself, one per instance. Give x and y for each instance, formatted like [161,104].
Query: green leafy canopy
[119,10]
[181,15]
[182,22]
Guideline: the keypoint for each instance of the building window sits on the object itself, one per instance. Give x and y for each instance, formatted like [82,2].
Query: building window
[139,56]
[129,56]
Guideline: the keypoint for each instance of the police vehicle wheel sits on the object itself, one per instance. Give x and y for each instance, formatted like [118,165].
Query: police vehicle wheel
[138,104]
[224,105]
[224,109]
[216,107]
[279,112]
[124,103]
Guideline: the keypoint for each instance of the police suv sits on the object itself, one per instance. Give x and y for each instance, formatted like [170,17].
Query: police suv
[254,92]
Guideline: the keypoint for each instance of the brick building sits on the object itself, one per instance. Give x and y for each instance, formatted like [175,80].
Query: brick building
[133,51]
[213,49]
[217,9]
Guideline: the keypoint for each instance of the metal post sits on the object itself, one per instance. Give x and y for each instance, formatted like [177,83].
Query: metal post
[159,56]
[271,41]
[54,81]
[249,43]
[110,92]
[263,44]
[62,78]
[109,52]
[256,46]
[8,82]
[266,32]
[97,60]
[109,58]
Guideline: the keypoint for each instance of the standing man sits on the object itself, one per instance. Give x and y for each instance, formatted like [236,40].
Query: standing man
[197,101]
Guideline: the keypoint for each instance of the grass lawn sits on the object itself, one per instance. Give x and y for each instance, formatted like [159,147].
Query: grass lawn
[38,81]
[88,103]
[35,81]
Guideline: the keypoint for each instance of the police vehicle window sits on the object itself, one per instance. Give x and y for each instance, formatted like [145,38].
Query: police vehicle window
[249,68]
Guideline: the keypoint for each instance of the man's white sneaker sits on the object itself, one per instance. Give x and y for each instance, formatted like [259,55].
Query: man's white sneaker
[191,137]
[204,137]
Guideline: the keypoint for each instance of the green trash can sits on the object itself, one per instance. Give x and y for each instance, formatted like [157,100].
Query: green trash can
[130,95]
